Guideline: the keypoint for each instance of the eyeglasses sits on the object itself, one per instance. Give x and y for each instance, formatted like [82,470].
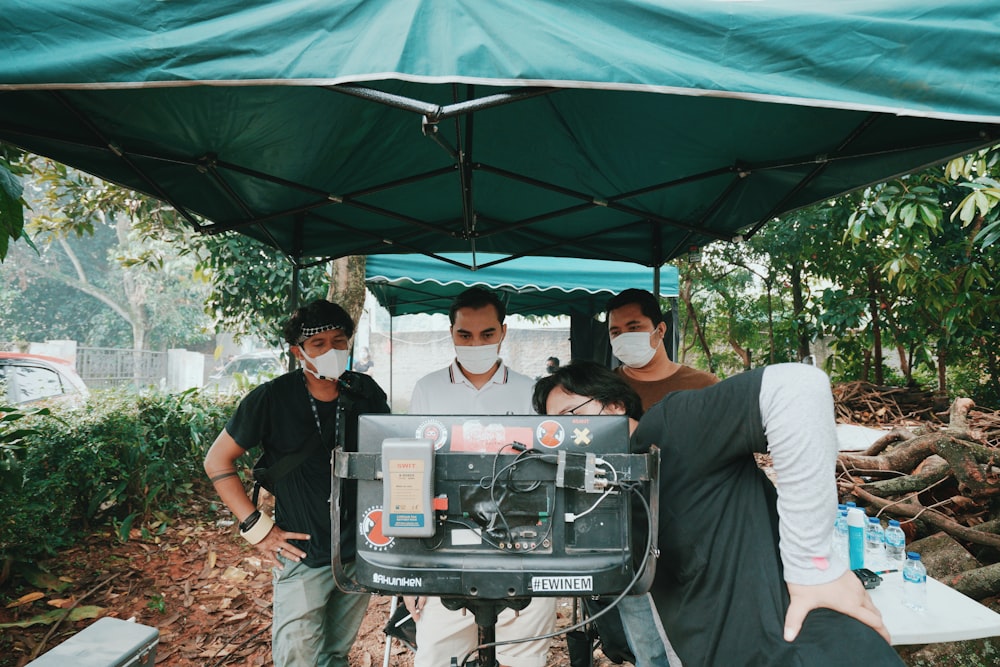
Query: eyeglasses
[573,410]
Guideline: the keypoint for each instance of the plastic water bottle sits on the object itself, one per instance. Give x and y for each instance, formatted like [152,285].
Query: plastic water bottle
[874,545]
[914,582]
[856,537]
[840,535]
[895,546]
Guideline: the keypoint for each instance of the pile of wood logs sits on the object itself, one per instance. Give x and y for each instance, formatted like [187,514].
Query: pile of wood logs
[932,476]
[868,404]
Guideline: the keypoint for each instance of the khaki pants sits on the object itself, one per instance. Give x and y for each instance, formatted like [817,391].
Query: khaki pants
[314,623]
[443,634]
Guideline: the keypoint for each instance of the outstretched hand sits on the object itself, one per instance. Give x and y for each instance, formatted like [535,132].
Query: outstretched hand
[845,594]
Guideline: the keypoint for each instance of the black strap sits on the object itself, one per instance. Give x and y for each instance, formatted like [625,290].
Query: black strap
[287,464]
[290,462]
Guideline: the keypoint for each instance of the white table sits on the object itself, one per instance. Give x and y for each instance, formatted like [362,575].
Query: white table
[950,616]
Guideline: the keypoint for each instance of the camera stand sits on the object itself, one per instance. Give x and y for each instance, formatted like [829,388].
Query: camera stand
[486,613]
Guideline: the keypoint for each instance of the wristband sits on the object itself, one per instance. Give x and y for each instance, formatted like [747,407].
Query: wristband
[259,530]
[247,523]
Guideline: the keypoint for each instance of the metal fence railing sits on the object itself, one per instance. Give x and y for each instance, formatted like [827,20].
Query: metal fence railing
[106,367]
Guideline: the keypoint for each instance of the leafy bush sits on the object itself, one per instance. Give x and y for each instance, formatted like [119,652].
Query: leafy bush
[119,460]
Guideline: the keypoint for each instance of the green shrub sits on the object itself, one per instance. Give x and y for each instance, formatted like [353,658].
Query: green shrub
[121,460]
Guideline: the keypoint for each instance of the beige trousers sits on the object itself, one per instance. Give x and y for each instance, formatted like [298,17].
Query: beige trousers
[443,634]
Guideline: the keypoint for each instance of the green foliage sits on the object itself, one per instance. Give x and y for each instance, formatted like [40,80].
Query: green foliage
[123,460]
[157,603]
[252,285]
[13,434]
[110,269]
[11,208]
[910,263]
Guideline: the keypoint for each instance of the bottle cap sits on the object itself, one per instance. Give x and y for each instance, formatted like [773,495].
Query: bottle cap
[851,504]
[841,506]
[893,522]
[872,519]
[913,555]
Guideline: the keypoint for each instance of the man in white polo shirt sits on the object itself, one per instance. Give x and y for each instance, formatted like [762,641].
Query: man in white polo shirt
[477,383]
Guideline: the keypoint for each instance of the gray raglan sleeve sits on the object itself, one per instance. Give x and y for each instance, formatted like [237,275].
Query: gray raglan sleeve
[796,407]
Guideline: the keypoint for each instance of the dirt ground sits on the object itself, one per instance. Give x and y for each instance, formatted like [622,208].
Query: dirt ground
[201,585]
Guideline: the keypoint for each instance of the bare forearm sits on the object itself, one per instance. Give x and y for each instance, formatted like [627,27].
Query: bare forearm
[233,495]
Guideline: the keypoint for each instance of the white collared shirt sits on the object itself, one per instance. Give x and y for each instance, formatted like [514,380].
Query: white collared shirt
[448,392]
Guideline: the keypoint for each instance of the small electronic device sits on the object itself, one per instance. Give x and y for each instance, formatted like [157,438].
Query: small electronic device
[868,578]
[407,487]
[497,507]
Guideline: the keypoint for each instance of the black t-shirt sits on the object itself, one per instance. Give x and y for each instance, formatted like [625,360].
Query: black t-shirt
[278,417]
[719,587]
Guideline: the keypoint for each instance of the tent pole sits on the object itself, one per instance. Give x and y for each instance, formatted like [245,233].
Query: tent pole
[675,337]
[391,356]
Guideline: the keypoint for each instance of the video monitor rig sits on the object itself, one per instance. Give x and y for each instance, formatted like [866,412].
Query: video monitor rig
[497,507]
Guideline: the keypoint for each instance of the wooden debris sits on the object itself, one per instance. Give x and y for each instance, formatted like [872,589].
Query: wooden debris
[931,475]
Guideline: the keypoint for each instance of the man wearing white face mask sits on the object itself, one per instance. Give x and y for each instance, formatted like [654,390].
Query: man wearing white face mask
[477,383]
[297,419]
[636,329]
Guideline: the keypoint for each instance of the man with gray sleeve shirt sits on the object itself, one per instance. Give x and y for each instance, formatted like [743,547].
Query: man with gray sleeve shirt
[746,574]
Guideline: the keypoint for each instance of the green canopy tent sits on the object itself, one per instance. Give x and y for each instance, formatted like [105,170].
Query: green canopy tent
[407,284]
[627,130]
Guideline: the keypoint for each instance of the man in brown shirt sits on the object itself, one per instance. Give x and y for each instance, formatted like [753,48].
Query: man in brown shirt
[636,328]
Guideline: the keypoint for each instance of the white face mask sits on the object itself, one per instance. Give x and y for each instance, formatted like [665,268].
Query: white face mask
[633,348]
[329,366]
[477,359]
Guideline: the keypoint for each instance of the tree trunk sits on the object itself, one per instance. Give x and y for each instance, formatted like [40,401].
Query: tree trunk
[873,306]
[347,284]
[798,306]
[770,324]
[741,352]
[904,364]
[684,293]
[942,366]
[991,363]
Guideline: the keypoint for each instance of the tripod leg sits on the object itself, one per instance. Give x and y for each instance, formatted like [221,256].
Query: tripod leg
[388,637]
[488,635]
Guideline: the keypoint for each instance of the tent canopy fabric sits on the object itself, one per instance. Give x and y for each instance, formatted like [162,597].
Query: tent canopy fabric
[625,131]
[407,284]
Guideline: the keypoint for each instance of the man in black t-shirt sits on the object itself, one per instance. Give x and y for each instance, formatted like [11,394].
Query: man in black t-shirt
[297,419]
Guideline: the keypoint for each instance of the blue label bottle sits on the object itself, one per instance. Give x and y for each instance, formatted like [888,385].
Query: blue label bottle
[856,537]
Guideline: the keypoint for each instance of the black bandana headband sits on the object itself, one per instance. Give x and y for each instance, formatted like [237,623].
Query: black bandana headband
[312,331]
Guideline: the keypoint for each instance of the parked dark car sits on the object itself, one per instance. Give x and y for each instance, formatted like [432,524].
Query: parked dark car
[31,378]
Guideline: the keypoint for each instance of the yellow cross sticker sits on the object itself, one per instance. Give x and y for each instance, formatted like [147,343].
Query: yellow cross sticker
[581,436]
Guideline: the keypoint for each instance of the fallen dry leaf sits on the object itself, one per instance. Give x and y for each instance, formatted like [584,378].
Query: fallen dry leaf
[60,603]
[26,599]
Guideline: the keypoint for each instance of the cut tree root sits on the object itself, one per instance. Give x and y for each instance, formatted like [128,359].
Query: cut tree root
[938,520]
[945,478]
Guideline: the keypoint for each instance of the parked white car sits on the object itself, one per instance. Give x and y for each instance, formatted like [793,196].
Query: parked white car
[34,378]
[246,370]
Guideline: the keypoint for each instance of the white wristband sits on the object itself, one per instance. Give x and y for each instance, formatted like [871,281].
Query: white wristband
[259,530]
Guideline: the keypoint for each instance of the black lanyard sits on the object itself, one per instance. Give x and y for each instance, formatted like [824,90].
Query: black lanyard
[315,410]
